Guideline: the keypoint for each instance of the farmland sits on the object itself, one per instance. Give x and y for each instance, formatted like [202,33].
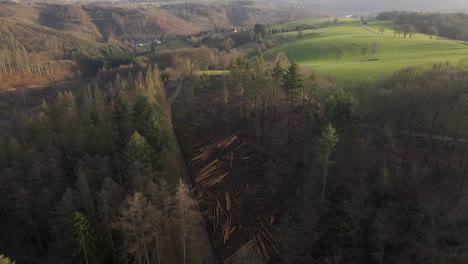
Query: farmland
[336,51]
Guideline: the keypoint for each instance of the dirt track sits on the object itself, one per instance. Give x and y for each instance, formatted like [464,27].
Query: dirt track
[204,238]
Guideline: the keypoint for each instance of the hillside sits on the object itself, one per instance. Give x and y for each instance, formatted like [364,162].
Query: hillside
[240,13]
[39,41]
[100,22]
[39,35]
[345,51]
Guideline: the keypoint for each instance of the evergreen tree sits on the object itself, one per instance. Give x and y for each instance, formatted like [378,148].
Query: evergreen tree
[138,158]
[340,110]
[64,116]
[142,114]
[85,249]
[151,122]
[61,221]
[40,131]
[121,122]
[84,197]
[278,71]
[98,127]
[325,148]
[292,83]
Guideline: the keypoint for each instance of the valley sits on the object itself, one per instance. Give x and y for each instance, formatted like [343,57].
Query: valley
[231,132]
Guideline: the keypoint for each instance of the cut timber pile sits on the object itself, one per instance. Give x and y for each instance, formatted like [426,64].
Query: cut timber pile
[226,142]
[219,167]
[211,170]
[220,214]
[211,174]
[263,244]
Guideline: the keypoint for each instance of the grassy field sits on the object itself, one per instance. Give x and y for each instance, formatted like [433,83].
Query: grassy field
[336,51]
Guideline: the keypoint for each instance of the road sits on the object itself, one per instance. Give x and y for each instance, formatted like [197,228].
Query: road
[368,28]
[204,237]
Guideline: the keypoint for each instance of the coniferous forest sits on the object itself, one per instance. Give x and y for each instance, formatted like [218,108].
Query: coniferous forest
[92,177]
[235,132]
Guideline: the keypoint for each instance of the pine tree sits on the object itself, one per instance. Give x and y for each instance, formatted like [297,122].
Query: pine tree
[62,220]
[292,83]
[85,249]
[64,116]
[97,123]
[84,197]
[138,149]
[121,122]
[151,122]
[138,158]
[40,131]
[325,148]
[278,71]
[340,110]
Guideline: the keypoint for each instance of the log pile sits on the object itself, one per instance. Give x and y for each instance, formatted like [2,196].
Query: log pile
[211,174]
[221,214]
[263,244]
[214,172]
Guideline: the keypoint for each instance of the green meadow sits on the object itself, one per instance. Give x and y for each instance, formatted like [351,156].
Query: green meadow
[336,50]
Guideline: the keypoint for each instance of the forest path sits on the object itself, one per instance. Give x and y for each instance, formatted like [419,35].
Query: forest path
[175,94]
[204,238]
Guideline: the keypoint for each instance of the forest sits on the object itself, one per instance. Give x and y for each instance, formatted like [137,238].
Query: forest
[92,178]
[227,148]
[286,184]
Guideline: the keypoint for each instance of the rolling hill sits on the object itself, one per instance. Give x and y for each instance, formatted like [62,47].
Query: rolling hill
[337,51]
[43,34]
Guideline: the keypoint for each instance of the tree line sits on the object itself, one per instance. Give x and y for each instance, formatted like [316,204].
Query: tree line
[454,26]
